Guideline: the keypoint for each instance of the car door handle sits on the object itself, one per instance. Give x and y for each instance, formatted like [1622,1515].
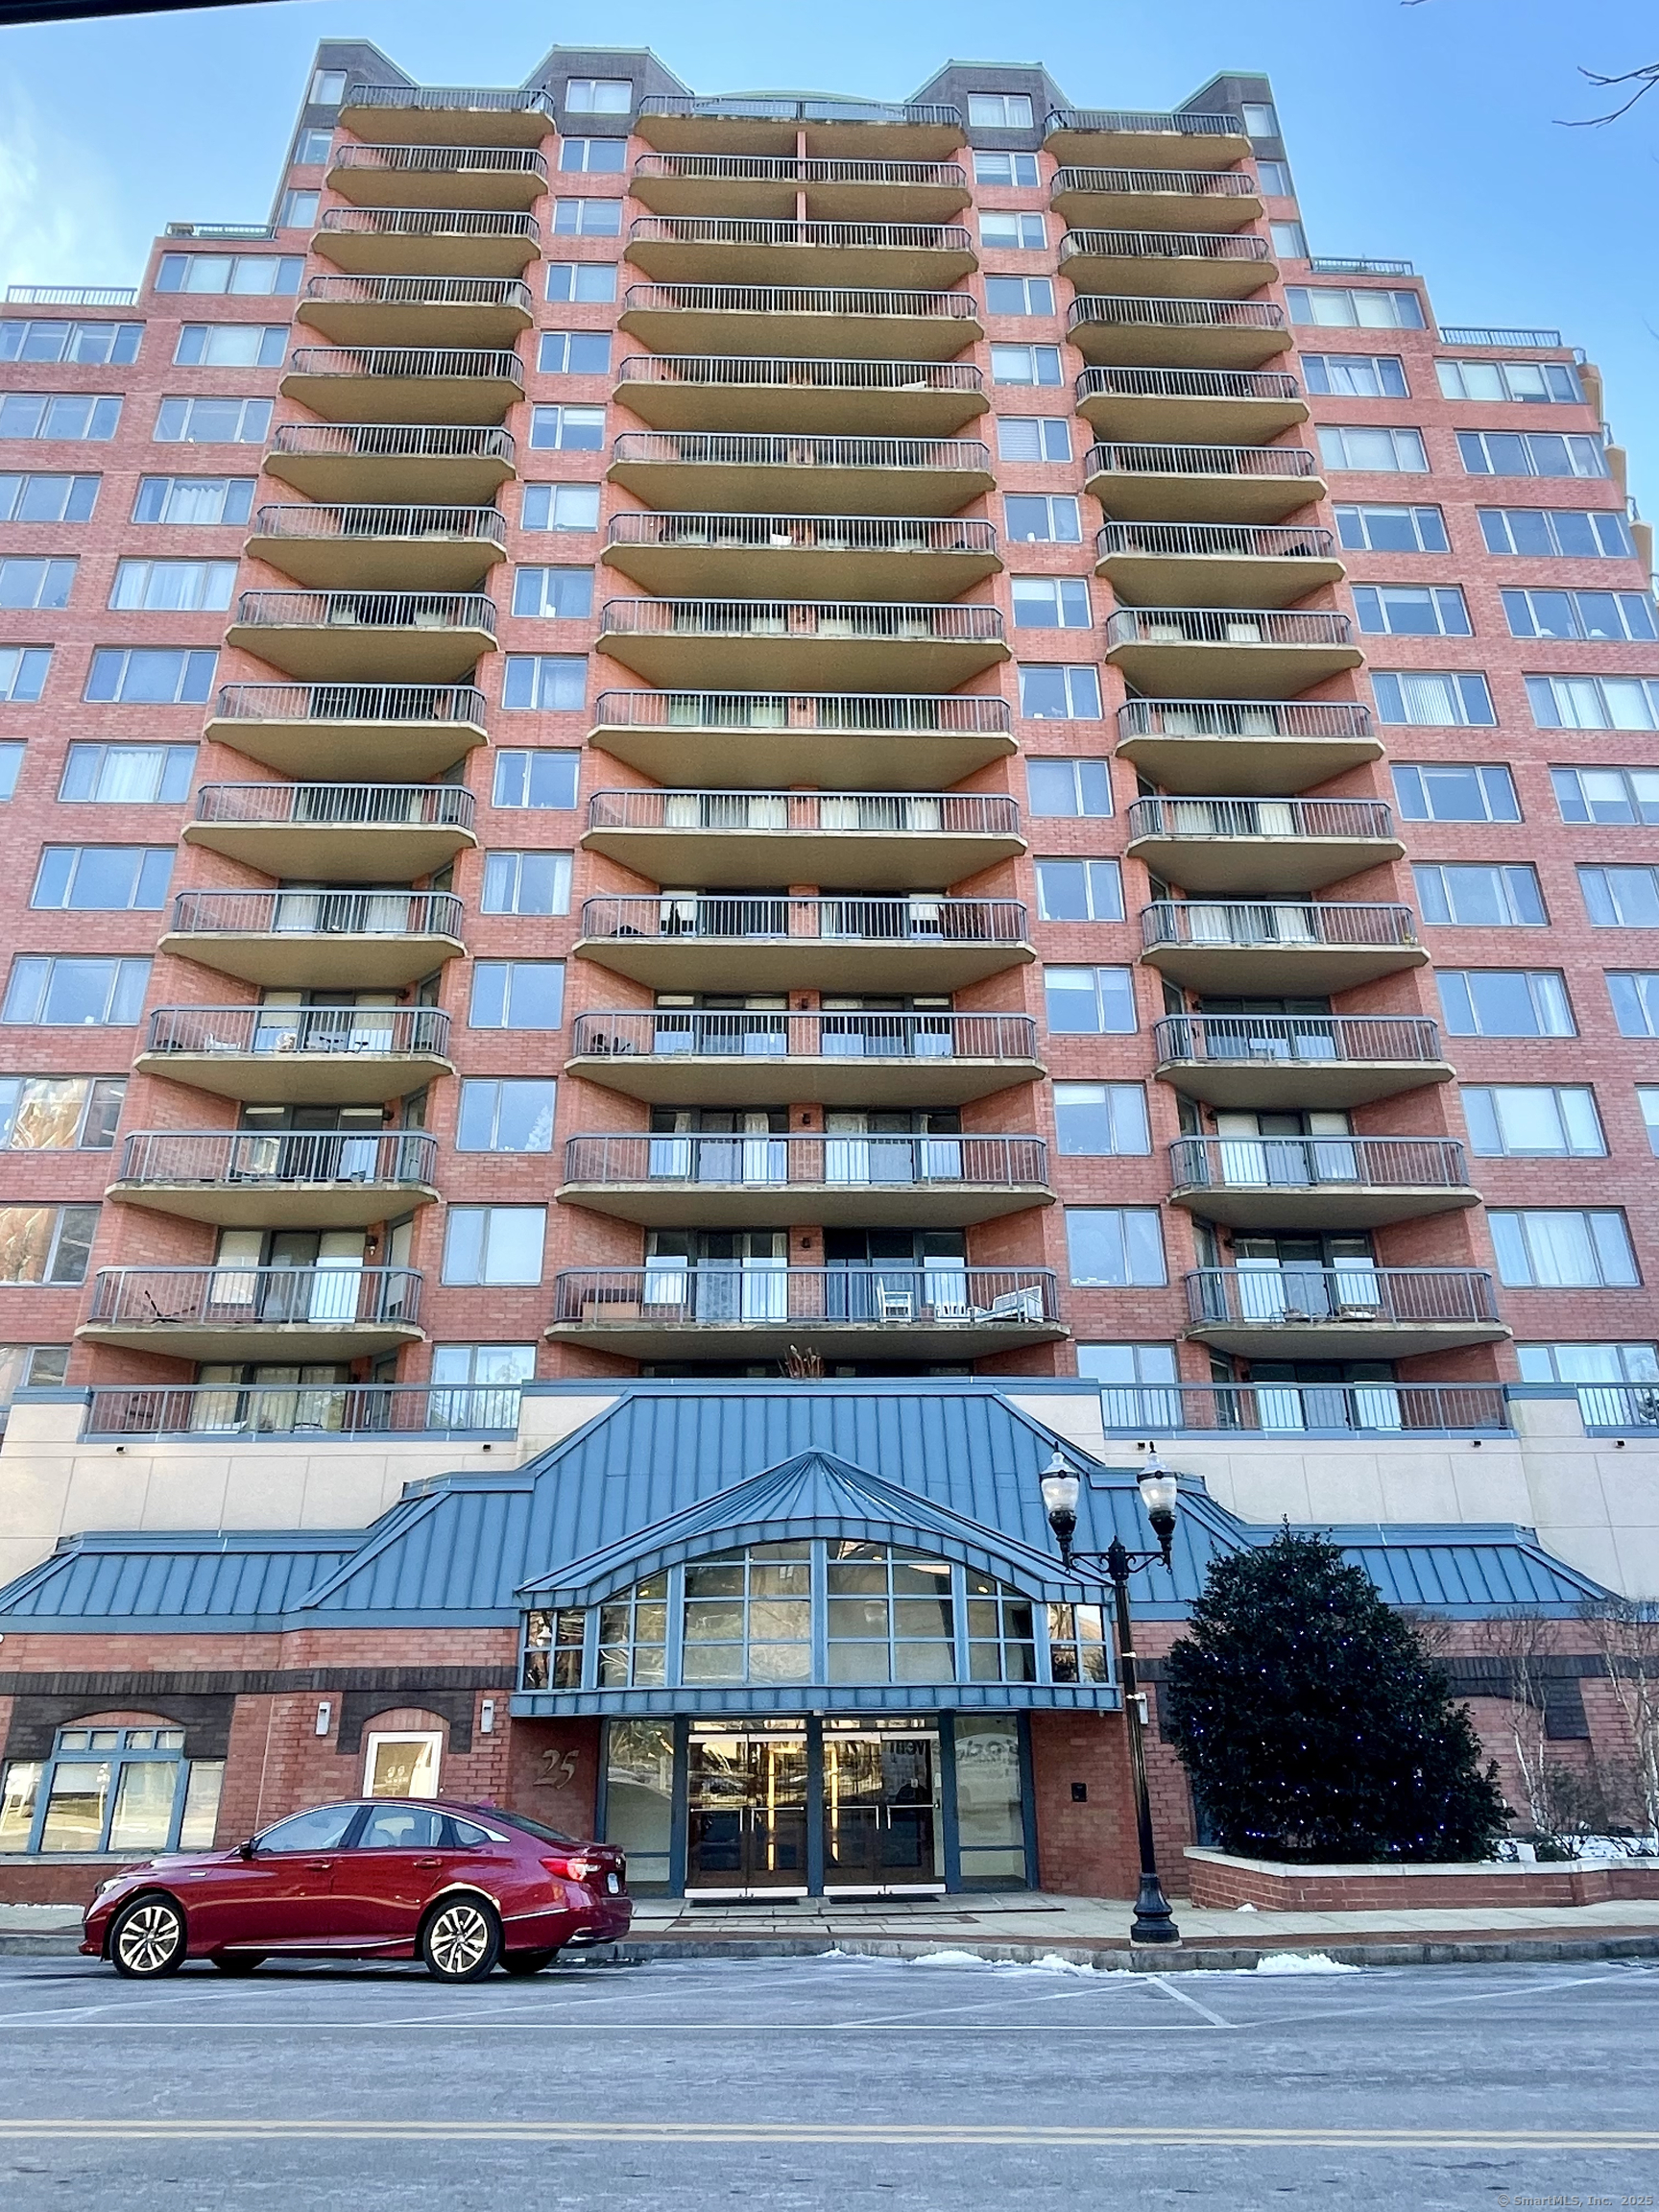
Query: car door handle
[428,1862]
[319,1866]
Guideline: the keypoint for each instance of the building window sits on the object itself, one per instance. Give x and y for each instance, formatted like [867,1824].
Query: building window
[592,157]
[1647,1098]
[230,345]
[1080,891]
[88,345]
[1032,438]
[1050,603]
[1615,1383]
[1393,529]
[553,594]
[1355,375]
[1563,1248]
[494,1244]
[1529,1121]
[1545,532]
[1000,111]
[1621,898]
[29,584]
[1089,1001]
[267,274]
[1260,119]
[1594,702]
[1618,615]
[72,993]
[111,1790]
[1624,795]
[585,281]
[587,218]
[1452,791]
[312,149]
[1101,1117]
[104,879]
[65,415]
[29,1368]
[10,768]
[540,778]
[214,422]
[40,498]
[548,682]
[598,95]
[516,994]
[199,501]
[1635,997]
[1140,1385]
[23,673]
[1114,1247]
[128,775]
[574,353]
[328,88]
[164,586]
[1067,787]
[560,507]
[46,1246]
[1018,170]
[1025,365]
[512,1114]
[526,884]
[480,1384]
[1530,453]
[1290,240]
[1018,296]
[1051,693]
[60,1113]
[1341,308]
[1014,233]
[1037,519]
[151,675]
[1412,609]
[1534,380]
[1442,698]
[1479,896]
[1274,179]
[1505,1002]
[567,429]
[1376,453]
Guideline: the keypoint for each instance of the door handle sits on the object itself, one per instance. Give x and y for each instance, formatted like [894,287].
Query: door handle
[428,1862]
[319,1866]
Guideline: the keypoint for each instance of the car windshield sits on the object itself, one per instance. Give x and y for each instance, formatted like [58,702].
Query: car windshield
[537,1828]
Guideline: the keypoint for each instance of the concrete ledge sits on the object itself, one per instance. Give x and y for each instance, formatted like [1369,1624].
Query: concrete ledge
[1220,1881]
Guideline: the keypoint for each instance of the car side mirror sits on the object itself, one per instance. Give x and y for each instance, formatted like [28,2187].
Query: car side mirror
[245,1850]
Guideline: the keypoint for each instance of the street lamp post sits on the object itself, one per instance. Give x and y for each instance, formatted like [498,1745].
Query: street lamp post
[1153,1922]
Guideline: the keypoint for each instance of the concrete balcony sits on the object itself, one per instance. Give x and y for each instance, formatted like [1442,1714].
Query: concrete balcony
[692,941]
[252,1411]
[772,124]
[1264,948]
[335,832]
[1244,746]
[879,742]
[427,241]
[366,730]
[750,471]
[343,1312]
[447,114]
[1293,1061]
[1215,563]
[717,391]
[420,384]
[1353,1311]
[864,840]
[299,1056]
[829,556]
[759,1182]
[413,548]
[670,1310]
[323,940]
[1257,847]
[762,184]
[1093,136]
[1156,198]
[353,635]
[893,645]
[376,462]
[1177,332]
[1168,264]
[1228,652]
[879,324]
[712,1057]
[1202,483]
[437,176]
[1203,406]
[1324,1183]
[302,1179]
[750,250]
[448,311]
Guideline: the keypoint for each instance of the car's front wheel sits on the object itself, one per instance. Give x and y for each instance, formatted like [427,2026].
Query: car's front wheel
[462,1940]
[148,1938]
[527,1962]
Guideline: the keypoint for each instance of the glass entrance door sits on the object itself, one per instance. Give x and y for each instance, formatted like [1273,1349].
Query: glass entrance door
[882,1825]
[746,1806]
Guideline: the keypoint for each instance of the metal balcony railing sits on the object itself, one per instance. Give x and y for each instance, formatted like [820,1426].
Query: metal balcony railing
[1165,817]
[726,1291]
[227,1411]
[1147,460]
[667,1034]
[1129,383]
[407,361]
[421,291]
[1195,183]
[1478,334]
[764,230]
[804,533]
[71,295]
[223,1158]
[1358,265]
[805,449]
[1179,123]
[946,623]
[483,525]
[1402,1040]
[1164,246]
[1249,540]
[809,813]
[395,440]
[336,806]
[350,703]
[365,610]
[427,223]
[795,169]
[840,713]
[802,300]
[513,160]
[742,917]
[1244,718]
[1278,1408]
[253,1031]
[1224,626]
[317,913]
[1632,1406]
[809,1163]
[1250,922]
[792,371]
[153,1297]
[1358,1291]
[533,100]
[1317,1163]
[221,230]
[773,107]
[1107,307]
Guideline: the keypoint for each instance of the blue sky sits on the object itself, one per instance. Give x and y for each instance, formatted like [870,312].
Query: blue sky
[1425,133]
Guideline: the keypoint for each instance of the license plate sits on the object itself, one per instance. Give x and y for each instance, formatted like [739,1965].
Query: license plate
[613,1881]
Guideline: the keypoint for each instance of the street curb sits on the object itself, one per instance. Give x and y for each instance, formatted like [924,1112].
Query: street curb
[1172,1958]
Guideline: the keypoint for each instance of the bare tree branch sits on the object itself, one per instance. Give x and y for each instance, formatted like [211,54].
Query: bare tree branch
[1644,79]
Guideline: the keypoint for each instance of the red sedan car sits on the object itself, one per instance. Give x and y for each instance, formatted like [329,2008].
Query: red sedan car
[466,1887]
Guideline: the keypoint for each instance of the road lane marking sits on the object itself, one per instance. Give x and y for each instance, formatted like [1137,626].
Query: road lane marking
[1162,1981]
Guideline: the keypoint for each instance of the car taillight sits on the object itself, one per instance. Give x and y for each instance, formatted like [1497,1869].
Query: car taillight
[576,1870]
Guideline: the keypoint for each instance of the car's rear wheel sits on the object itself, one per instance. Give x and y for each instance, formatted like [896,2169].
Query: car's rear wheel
[462,1940]
[527,1962]
[238,1961]
[148,1938]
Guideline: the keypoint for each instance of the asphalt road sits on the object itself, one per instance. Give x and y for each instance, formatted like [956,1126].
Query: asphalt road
[849,2084]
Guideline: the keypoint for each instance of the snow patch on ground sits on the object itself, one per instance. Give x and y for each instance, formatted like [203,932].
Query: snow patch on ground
[1300,1963]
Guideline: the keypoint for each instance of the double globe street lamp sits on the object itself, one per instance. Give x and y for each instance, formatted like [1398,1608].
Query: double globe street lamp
[1153,1922]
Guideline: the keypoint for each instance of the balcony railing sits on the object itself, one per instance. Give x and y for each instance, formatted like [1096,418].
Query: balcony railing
[224,1158]
[366,610]
[350,703]
[481,525]
[71,295]
[420,291]
[1164,246]
[395,440]
[809,1163]
[1247,540]
[760,450]
[1358,265]
[775,108]
[1119,120]
[1145,460]
[226,1412]
[244,1031]
[427,223]
[667,1035]
[1355,1292]
[794,169]
[221,230]
[948,623]
[763,231]
[714,1292]
[950,713]
[804,533]
[1630,1407]
[801,299]
[155,1297]
[1195,183]
[791,371]
[1247,718]
[744,918]
[809,813]
[1318,1163]
[1279,1409]
[1241,922]
[1402,1040]
[1164,817]
[1481,334]
[1224,626]
[1129,383]
[517,160]
[403,362]
[1112,308]
[336,806]
[317,913]
[533,100]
